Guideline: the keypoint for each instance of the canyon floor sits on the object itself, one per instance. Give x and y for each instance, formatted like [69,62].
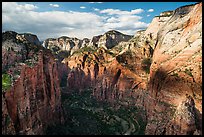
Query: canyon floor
[87,116]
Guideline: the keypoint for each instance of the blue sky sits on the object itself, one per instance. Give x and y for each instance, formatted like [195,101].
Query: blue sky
[81,19]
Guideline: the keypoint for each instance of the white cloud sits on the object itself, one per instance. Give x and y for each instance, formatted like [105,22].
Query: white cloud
[14,7]
[95,9]
[29,7]
[121,12]
[54,5]
[148,15]
[82,7]
[150,10]
[125,23]
[113,20]
[137,11]
[52,24]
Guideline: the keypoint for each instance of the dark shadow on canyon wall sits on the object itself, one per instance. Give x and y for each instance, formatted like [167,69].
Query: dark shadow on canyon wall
[116,77]
[164,80]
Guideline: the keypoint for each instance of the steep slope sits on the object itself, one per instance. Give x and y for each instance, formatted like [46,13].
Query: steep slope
[31,94]
[176,65]
[172,46]
[109,74]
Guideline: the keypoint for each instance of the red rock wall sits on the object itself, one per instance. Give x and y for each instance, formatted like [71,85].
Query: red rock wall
[34,101]
[176,71]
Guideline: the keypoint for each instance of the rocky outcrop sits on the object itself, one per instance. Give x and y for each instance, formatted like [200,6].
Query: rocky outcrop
[184,120]
[33,100]
[180,57]
[109,39]
[85,42]
[172,46]
[94,41]
[166,13]
[157,23]
[110,76]
[28,37]
[65,43]
[176,66]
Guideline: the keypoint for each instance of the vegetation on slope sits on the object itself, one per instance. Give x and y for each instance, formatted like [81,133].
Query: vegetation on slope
[146,63]
[86,116]
[6,81]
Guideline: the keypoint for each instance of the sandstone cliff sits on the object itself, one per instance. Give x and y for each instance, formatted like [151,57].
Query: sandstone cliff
[33,99]
[172,46]
[65,43]
[109,39]
[176,64]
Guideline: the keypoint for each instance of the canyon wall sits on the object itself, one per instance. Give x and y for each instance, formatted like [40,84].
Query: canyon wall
[176,69]
[109,39]
[174,52]
[65,43]
[33,100]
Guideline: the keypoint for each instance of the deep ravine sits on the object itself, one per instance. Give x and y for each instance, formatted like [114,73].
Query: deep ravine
[87,116]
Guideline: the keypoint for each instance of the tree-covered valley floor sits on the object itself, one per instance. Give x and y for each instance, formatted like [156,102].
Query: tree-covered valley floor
[84,115]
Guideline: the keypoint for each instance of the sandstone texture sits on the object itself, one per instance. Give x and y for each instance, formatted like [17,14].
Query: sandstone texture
[109,39]
[172,46]
[33,100]
[176,68]
[65,43]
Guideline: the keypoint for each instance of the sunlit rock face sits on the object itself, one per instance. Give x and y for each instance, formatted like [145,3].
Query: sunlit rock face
[109,39]
[176,68]
[66,43]
[173,43]
[108,74]
[33,100]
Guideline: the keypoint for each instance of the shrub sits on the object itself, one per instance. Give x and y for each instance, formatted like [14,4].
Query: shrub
[6,81]
[29,62]
[17,72]
[84,49]
[175,74]
[188,71]
[146,63]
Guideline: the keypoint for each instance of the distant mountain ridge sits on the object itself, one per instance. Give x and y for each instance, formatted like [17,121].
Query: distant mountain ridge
[107,40]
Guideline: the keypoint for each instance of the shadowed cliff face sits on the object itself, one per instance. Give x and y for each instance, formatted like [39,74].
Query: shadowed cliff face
[109,77]
[185,119]
[174,52]
[33,100]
